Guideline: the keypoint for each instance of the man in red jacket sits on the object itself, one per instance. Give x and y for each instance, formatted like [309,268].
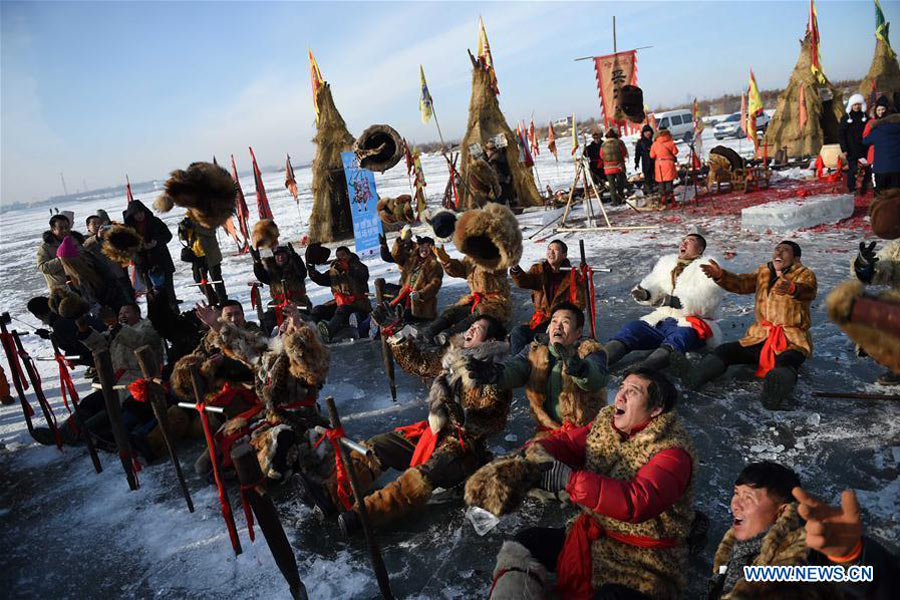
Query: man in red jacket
[630,471]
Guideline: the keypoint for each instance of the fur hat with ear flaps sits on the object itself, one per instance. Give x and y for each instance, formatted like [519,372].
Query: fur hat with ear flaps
[206,190]
[265,234]
[121,243]
[67,303]
[490,236]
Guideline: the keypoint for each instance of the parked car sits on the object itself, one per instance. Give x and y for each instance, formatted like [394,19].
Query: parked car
[680,123]
[731,126]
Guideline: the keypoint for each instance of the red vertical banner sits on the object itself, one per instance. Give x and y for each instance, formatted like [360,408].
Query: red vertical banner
[128,193]
[240,203]
[262,201]
[290,182]
[614,71]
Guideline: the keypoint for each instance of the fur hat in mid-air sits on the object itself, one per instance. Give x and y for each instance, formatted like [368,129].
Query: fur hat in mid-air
[206,190]
[265,234]
[121,244]
[490,236]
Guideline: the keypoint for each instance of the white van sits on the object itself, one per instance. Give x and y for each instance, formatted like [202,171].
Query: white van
[680,123]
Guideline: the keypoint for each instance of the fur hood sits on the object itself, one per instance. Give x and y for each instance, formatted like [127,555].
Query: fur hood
[454,360]
[888,119]
[700,296]
[49,238]
[490,236]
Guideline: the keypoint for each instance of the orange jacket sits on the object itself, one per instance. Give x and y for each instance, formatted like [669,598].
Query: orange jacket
[663,151]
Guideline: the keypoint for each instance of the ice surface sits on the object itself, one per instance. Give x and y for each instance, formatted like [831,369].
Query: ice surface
[781,217]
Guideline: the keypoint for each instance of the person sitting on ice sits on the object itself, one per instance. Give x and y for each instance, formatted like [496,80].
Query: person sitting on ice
[685,302]
[491,241]
[550,282]
[631,473]
[348,279]
[779,341]
[63,329]
[283,270]
[421,276]
[564,374]
[440,452]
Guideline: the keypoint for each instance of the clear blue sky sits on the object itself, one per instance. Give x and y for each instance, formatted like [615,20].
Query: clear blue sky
[96,90]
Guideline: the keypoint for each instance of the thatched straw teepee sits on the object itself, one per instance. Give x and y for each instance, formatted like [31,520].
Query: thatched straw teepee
[824,109]
[330,219]
[485,122]
[884,74]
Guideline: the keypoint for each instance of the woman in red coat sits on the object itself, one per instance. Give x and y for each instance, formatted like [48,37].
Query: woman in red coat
[663,151]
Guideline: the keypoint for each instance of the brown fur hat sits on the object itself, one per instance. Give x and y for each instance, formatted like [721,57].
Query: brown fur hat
[308,356]
[490,236]
[265,234]
[121,243]
[880,345]
[205,189]
[317,254]
[67,303]
[500,486]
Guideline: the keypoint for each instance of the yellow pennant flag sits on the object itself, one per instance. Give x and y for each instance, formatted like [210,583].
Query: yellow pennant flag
[574,136]
[426,104]
[315,78]
[754,108]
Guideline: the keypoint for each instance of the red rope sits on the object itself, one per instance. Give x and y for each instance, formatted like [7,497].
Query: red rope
[344,491]
[245,502]
[39,393]
[13,357]
[223,499]
[66,385]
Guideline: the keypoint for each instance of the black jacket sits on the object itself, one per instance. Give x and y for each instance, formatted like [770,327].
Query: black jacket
[152,229]
[851,134]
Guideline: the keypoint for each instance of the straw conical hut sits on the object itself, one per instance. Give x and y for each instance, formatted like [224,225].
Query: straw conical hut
[330,219]
[486,121]
[824,109]
[884,74]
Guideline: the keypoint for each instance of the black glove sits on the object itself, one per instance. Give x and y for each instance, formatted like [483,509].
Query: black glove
[484,372]
[864,265]
[382,239]
[556,478]
[670,301]
[254,252]
[44,334]
[640,294]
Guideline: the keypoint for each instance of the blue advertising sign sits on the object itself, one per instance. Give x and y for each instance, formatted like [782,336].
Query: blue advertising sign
[363,198]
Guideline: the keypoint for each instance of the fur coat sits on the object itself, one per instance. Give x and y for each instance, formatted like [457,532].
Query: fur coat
[47,263]
[783,545]
[792,312]
[424,276]
[699,295]
[543,296]
[887,269]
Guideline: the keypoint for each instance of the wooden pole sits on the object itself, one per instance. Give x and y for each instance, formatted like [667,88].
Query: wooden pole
[9,349]
[103,364]
[36,387]
[79,421]
[857,396]
[253,488]
[225,503]
[150,371]
[384,583]
[588,291]
[614,34]
[386,354]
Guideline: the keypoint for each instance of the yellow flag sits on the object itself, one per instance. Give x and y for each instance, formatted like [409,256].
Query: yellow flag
[426,104]
[315,78]
[574,136]
[754,108]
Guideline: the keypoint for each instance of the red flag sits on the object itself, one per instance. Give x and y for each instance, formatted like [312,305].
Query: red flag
[262,201]
[128,193]
[524,150]
[551,141]
[289,181]
[802,117]
[243,212]
[532,139]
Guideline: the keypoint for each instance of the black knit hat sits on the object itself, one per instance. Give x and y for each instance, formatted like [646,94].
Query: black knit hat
[794,246]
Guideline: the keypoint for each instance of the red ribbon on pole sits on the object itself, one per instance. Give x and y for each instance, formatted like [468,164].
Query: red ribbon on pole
[344,491]
[223,500]
[39,393]
[245,502]
[13,357]
[65,382]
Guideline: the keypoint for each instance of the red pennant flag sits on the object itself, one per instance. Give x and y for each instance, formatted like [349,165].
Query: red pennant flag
[243,212]
[290,182]
[262,201]
[128,193]
[532,139]
[551,141]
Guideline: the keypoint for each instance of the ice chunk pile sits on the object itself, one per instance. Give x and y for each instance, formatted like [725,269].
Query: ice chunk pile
[781,217]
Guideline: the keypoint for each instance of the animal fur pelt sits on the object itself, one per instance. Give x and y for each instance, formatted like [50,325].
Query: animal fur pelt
[206,190]
[265,234]
[500,486]
[395,210]
[518,575]
[240,344]
[700,296]
[180,381]
[308,356]
[490,236]
[67,303]
[121,244]
[880,345]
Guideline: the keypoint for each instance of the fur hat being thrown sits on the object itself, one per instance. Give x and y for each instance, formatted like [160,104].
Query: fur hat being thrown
[265,234]
[121,243]
[490,236]
[206,190]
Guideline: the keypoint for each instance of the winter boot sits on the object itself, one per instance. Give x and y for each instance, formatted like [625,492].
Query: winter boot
[658,359]
[679,365]
[367,470]
[43,435]
[350,523]
[777,387]
[178,424]
[709,368]
[888,378]
[406,494]
[313,494]
[322,326]
[615,351]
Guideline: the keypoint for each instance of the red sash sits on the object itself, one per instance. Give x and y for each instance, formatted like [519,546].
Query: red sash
[537,318]
[704,331]
[344,299]
[775,342]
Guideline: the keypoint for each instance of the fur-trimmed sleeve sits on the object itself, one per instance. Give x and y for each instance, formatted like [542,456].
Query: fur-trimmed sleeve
[738,283]
[413,360]
[699,295]
[806,286]
[530,279]
[659,281]
[456,268]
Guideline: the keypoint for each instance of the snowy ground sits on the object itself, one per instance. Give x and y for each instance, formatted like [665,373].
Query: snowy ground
[74,534]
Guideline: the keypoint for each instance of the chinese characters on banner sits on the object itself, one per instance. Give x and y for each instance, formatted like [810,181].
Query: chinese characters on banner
[363,198]
[614,71]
